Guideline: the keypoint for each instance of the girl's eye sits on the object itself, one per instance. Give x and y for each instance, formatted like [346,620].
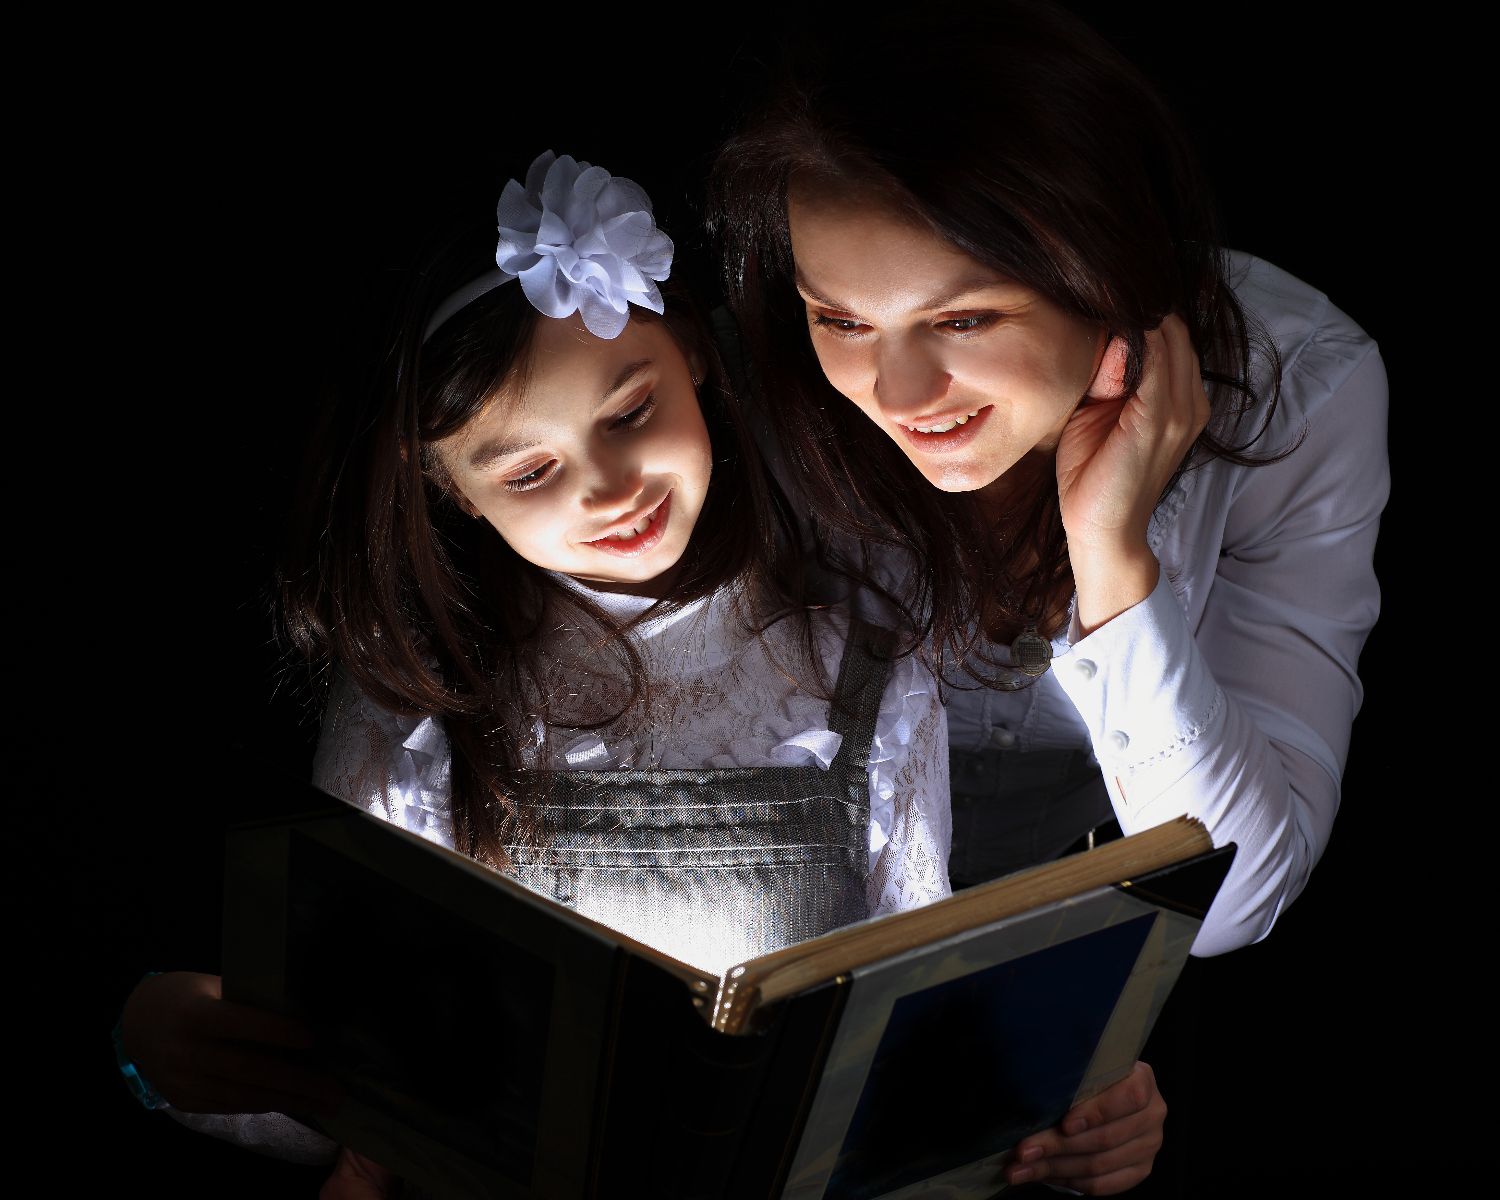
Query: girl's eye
[843,326]
[532,479]
[637,416]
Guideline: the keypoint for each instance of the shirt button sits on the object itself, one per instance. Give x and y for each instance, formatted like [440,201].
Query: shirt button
[1086,668]
[1003,738]
[1117,741]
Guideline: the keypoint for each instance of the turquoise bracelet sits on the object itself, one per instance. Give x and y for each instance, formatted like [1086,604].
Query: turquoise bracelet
[140,1087]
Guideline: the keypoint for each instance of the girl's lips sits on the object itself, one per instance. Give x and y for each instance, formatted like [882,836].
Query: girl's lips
[953,439]
[642,542]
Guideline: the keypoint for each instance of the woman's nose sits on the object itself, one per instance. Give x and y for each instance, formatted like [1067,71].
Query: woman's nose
[910,381]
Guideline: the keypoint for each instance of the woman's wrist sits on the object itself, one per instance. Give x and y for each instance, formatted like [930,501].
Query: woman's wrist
[1110,584]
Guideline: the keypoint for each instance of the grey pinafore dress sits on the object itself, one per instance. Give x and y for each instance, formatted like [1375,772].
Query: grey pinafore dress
[719,865]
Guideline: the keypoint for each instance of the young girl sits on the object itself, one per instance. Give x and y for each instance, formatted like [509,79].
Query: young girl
[546,565]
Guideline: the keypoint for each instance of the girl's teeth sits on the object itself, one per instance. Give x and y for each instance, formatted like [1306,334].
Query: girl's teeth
[635,530]
[943,428]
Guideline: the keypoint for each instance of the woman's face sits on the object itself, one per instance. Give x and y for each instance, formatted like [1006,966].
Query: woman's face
[598,464]
[967,371]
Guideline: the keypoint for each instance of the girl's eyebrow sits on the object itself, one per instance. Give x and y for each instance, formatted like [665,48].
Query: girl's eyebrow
[492,450]
[624,379]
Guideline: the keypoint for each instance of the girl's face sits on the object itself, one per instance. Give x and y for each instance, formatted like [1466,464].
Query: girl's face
[964,369]
[598,464]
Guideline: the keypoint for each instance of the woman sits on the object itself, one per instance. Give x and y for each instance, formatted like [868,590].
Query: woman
[1085,432]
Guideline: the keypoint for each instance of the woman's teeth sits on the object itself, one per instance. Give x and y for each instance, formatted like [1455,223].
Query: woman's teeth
[953,424]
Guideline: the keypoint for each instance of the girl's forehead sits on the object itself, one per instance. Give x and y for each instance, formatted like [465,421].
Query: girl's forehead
[570,372]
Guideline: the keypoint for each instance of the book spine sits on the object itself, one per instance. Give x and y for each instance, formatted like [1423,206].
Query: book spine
[695,1113]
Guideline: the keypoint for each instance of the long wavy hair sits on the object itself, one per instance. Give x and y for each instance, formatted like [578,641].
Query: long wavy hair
[1017,134]
[429,610]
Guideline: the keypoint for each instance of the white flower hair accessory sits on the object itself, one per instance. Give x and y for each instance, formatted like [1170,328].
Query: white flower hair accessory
[579,240]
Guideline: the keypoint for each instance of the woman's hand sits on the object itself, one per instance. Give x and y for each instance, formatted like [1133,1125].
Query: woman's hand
[1102,1146]
[205,1054]
[1114,459]
[356,1177]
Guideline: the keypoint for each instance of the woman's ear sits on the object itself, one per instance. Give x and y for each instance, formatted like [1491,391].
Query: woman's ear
[1109,376]
[695,367]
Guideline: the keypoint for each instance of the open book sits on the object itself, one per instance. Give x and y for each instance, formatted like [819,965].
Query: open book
[495,1043]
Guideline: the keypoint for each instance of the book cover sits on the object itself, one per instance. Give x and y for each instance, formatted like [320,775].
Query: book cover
[494,1043]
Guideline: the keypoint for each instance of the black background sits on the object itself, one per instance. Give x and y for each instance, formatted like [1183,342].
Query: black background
[237,211]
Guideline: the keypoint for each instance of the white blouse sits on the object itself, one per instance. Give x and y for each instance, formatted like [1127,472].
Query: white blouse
[1230,691]
[720,697]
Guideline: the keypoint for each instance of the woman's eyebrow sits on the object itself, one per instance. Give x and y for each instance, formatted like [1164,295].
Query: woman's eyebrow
[817,297]
[979,283]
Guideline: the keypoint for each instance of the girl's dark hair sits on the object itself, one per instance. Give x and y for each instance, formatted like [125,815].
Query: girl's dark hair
[1017,134]
[429,610]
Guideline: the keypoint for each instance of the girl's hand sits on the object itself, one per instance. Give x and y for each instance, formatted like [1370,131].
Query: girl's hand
[1115,456]
[204,1054]
[1102,1146]
[356,1177]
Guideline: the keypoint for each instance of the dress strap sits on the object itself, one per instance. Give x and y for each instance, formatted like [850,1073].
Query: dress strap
[855,708]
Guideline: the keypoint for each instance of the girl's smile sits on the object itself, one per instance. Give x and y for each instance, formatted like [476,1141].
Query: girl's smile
[592,459]
[637,536]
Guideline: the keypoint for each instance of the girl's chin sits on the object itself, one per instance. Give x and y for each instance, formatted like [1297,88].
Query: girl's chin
[656,586]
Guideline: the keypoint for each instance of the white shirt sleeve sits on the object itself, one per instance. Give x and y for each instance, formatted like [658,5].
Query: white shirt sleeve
[393,766]
[911,822]
[1244,721]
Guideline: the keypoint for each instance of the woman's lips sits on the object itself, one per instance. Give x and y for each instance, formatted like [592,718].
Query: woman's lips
[952,439]
[641,542]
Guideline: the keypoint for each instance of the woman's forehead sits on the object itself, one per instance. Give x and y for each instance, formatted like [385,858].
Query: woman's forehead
[843,251]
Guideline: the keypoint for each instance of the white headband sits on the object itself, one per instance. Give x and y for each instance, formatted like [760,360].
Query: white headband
[579,240]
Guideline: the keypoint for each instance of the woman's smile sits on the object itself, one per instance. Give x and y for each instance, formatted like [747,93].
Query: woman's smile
[965,369]
[944,435]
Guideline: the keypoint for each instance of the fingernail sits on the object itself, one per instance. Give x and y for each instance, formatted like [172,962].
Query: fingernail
[1022,1175]
[1031,1153]
[1076,1126]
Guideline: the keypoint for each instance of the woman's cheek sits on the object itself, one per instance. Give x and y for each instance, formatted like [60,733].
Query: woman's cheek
[841,367]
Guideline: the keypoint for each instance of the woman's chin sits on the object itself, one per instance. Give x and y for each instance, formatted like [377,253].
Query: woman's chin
[958,477]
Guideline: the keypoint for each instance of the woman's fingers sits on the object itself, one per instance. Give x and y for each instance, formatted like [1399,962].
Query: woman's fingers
[1136,1093]
[1172,386]
[1102,1145]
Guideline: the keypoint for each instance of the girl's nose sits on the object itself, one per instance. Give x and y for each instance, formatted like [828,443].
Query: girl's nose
[910,381]
[612,484]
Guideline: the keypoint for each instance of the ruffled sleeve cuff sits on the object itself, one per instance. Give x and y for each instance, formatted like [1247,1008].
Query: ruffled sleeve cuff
[1141,685]
[910,695]
[272,1133]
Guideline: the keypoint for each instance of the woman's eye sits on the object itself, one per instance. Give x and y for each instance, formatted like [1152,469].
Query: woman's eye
[637,416]
[844,326]
[970,324]
[532,479]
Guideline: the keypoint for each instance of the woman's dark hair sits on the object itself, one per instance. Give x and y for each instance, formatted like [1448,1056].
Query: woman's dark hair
[429,610]
[1018,135]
